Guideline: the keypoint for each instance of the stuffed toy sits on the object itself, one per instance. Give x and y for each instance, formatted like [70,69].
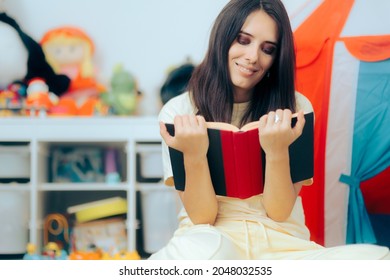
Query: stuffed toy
[176,81]
[39,99]
[69,50]
[123,96]
[13,53]
[22,59]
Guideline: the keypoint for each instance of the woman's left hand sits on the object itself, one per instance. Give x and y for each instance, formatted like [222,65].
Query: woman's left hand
[276,133]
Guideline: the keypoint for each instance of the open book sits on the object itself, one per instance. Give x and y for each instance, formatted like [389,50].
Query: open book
[237,162]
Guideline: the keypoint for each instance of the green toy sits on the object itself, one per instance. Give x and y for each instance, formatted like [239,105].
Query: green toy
[123,96]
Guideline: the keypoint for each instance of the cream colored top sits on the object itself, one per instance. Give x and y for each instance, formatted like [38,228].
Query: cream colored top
[238,112]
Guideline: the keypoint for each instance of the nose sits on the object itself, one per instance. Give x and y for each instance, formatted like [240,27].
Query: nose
[252,54]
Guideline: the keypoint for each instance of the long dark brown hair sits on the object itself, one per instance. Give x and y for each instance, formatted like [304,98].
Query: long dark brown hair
[210,85]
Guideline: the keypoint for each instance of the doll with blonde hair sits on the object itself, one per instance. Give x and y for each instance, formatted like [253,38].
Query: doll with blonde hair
[69,51]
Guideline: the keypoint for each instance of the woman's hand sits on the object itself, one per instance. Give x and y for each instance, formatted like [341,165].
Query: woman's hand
[191,139]
[276,133]
[190,136]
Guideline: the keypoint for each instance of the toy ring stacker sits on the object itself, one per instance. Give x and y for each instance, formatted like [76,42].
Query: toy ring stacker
[55,224]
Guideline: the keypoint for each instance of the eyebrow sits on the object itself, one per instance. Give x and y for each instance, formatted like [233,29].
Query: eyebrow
[250,35]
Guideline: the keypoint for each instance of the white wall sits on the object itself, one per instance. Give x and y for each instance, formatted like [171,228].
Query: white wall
[147,36]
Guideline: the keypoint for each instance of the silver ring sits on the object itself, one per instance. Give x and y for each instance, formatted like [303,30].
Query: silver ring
[277,119]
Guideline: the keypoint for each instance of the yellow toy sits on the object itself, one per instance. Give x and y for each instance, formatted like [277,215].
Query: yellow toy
[31,252]
[50,252]
[53,252]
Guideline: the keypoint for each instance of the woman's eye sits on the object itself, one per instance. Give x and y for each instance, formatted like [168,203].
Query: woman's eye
[243,40]
[269,49]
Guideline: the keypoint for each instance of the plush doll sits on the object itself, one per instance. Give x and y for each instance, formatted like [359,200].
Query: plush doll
[13,56]
[39,99]
[176,81]
[123,96]
[22,59]
[69,50]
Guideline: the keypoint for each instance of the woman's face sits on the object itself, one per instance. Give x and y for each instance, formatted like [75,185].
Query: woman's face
[252,53]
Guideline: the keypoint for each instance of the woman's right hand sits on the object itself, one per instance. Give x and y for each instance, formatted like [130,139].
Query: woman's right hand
[190,136]
[191,139]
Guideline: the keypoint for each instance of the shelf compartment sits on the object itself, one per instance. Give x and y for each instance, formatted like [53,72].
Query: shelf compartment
[15,187]
[58,202]
[81,162]
[15,162]
[14,209]
[149,167]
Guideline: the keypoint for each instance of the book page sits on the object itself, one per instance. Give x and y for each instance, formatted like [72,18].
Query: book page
[255,124]
[250,126]
[230,127]
[222,126]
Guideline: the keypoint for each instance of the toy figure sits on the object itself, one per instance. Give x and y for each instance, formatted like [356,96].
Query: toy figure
[56,228]
[22,59]
[53,252]
[31,252]
[39,100]
[124,94]
[12,100]
[69,51]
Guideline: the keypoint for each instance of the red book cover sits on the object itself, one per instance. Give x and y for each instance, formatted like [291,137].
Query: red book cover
[237,162]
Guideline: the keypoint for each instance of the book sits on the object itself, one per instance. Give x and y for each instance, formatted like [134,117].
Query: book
[237,161]
[99,209]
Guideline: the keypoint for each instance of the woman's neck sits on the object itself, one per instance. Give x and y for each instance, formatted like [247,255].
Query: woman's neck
[238,112]
[241,96]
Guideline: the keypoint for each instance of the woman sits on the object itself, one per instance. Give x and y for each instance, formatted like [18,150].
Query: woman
[247,75]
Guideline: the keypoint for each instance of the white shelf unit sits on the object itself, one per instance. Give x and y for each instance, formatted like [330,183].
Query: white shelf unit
[40,134]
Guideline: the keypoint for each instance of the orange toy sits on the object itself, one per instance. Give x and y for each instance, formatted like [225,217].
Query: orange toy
[38,97]
[78,255]
[67,106]
[64,107]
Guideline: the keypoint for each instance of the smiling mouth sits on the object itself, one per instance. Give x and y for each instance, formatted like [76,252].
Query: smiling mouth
[246,69]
